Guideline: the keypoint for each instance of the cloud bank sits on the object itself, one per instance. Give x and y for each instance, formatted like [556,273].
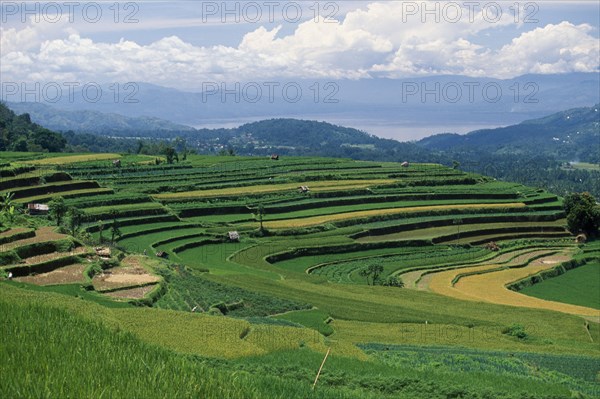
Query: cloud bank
[376,41]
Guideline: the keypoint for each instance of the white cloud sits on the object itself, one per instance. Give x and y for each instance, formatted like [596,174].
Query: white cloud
[378,40]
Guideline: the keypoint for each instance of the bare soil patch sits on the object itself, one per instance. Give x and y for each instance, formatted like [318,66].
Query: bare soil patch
[132,293]
[72,274]
[42,234]
[55,255]
[130,274]
[11,232]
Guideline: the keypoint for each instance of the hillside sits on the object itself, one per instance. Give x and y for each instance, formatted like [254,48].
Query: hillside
[313,138]
[572,135]
[230,267]
[19,133]
[86,121]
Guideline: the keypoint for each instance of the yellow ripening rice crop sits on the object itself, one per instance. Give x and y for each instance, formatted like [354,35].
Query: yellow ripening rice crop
[316,220]
[74,159]
[269,188]
[491,287]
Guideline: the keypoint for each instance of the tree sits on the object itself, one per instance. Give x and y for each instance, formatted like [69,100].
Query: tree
[394,281]
[457,222]
[583,214]
[7,202]
[58,209]
[7,208]
[115,232]
[100,231]
[373,271]
[171,155]
[74,219]
[260,212]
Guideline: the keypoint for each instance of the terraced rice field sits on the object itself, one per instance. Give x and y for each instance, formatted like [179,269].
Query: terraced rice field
[74,159]
[262,189]
[42,234]
[311,221]
[490,285]
[189,247]
[72,274]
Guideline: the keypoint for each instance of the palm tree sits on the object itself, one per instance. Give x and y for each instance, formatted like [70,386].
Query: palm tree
[58,209]
[261,213]
[7,208]
[7,202]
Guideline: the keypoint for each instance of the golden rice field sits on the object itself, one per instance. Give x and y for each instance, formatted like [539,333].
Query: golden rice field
[73,159]
[316,220]
[491,287]
[419,279]
[268,188]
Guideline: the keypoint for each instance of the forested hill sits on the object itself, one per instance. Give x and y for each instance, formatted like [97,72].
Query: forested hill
[19,133]
[302,137]
[94,122]
[572,135]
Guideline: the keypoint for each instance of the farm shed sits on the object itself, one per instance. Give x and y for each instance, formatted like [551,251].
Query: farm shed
[38,209]
[405,164]
[304,189]
[233,236]
[275,157]
[103,252]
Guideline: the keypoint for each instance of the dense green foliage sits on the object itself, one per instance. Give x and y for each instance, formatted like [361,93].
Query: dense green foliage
[583,213]
[18,133]
[568,135]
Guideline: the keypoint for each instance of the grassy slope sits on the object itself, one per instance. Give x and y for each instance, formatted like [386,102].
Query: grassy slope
[580,286]
[112,363]
[109,359]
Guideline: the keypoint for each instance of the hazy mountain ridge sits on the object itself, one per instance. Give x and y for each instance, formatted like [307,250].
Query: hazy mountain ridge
[568,135]
[86,121]
[401,104]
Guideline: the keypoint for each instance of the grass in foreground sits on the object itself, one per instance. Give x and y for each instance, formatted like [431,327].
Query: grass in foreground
[47,352]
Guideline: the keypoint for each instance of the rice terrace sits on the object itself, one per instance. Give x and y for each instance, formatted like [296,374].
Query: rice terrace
[234,276]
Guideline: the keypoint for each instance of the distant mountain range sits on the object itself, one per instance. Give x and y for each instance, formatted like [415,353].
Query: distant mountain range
[85,121]
[533,152]
[404,109]
[569,135]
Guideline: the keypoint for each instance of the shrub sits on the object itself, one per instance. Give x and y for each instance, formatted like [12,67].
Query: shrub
[10,257]
[515,330]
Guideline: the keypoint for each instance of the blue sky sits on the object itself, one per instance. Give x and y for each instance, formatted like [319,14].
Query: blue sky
[180,43]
